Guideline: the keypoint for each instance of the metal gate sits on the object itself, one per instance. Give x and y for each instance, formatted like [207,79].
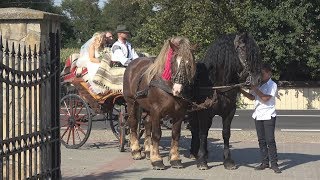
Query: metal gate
[29,110]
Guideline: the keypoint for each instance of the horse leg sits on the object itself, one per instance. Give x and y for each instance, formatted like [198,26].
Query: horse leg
[156,160]
[174,155]
[226,121]
[133,124]
[147,138]
[205,122]
[195,140]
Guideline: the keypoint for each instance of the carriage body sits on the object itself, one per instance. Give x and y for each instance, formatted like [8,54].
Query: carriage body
[78,107]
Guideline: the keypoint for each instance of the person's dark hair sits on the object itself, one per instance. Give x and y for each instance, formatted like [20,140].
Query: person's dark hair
[267,67]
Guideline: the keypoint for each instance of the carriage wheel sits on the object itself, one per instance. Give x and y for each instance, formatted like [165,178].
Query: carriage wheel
[75,121]
[113,118]
[120,129]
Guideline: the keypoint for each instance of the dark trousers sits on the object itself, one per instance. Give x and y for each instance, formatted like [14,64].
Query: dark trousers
[268,149]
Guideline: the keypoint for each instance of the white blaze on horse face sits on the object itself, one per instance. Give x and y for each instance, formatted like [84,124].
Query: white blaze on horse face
[176,89]
[179,60]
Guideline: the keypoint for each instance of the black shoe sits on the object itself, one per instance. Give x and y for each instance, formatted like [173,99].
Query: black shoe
[276,169]
[262,166]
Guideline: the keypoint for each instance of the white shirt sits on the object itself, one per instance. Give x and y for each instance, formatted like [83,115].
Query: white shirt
[265,110]
[123,53]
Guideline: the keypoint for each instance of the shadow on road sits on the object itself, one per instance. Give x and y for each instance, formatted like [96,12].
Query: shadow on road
[248,156]
[108,175]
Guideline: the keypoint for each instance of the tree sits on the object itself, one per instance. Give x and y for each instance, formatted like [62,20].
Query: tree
[84,16]
[42,5]
[131,14]
[288,34]
[201,21]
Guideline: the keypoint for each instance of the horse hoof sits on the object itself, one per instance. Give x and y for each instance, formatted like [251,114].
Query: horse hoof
[176,164]
[147,154]
[136,155]
[158,165]
[203,166]
[229,165]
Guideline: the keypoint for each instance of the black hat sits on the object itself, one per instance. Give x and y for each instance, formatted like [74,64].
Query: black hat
[122,29]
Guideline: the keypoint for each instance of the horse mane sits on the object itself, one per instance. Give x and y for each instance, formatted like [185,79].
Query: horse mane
[183,50]
[158,65]
[222,61]
[253,54]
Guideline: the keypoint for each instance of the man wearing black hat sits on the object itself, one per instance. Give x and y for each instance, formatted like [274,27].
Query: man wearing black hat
[122,51]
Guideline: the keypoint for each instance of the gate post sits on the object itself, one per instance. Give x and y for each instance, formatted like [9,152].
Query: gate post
[29,88]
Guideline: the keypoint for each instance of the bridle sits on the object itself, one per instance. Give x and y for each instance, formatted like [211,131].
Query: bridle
[243,60]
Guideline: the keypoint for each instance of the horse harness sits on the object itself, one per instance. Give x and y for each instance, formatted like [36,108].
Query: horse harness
[180,78]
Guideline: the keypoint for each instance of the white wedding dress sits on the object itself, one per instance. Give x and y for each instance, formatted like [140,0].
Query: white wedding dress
[84,61]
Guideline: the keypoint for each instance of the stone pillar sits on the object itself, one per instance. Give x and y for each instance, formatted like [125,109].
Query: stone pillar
[26,27]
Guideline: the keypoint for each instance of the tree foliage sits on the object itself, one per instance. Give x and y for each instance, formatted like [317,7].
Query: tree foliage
[287,31]
[131,14]
[84,19]
[43,5]
[288,34]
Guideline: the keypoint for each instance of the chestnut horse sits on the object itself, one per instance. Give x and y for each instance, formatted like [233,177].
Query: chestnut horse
[155,85]
[230,60]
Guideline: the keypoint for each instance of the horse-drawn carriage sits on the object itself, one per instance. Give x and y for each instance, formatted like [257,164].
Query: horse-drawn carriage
[79,106]
[231,59]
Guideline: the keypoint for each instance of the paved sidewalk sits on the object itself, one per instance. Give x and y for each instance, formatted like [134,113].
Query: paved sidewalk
[99,158]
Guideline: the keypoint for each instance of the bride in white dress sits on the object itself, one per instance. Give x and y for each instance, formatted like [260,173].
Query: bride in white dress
[89,58]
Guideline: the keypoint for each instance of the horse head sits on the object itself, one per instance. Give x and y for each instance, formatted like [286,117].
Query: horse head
[249,57]
[182,63]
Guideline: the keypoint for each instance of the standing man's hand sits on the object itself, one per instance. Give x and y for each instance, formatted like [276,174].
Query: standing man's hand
[246,94]
[263,97]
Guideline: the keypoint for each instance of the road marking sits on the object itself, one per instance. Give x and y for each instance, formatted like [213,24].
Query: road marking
[220,129]
[298,115]
[300,130]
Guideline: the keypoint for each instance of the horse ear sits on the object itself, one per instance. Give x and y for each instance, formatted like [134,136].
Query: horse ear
[173,46]
[194,47]
[239,40]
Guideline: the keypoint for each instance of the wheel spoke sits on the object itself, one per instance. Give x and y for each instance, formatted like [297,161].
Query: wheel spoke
[77,113]
[64,112]
[65,132]
[66,118]
[81,130]
[78,134]
[69,135]
[80,117]
[71,105]
[65,105]
[65,125]
[81,123]
[73,135]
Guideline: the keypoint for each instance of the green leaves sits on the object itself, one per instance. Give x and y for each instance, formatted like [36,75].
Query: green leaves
[287,31]
[287,35]
[83,16]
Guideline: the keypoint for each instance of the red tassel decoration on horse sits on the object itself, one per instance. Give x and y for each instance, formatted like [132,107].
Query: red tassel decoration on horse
[166,75]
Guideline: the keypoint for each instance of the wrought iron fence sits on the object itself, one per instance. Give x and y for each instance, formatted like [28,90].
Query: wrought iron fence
[29,110]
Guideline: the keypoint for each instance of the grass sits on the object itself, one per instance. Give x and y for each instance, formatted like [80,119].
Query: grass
[66,52]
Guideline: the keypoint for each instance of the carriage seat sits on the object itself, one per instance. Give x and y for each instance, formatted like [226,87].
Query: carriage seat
[70,70]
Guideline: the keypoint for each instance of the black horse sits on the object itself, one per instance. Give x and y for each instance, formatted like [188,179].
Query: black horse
[231,59]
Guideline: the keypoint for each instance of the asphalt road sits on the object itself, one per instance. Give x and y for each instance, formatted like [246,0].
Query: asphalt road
[287,120]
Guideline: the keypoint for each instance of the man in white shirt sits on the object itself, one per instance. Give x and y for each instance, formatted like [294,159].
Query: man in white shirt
[265,118]
[122,51]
